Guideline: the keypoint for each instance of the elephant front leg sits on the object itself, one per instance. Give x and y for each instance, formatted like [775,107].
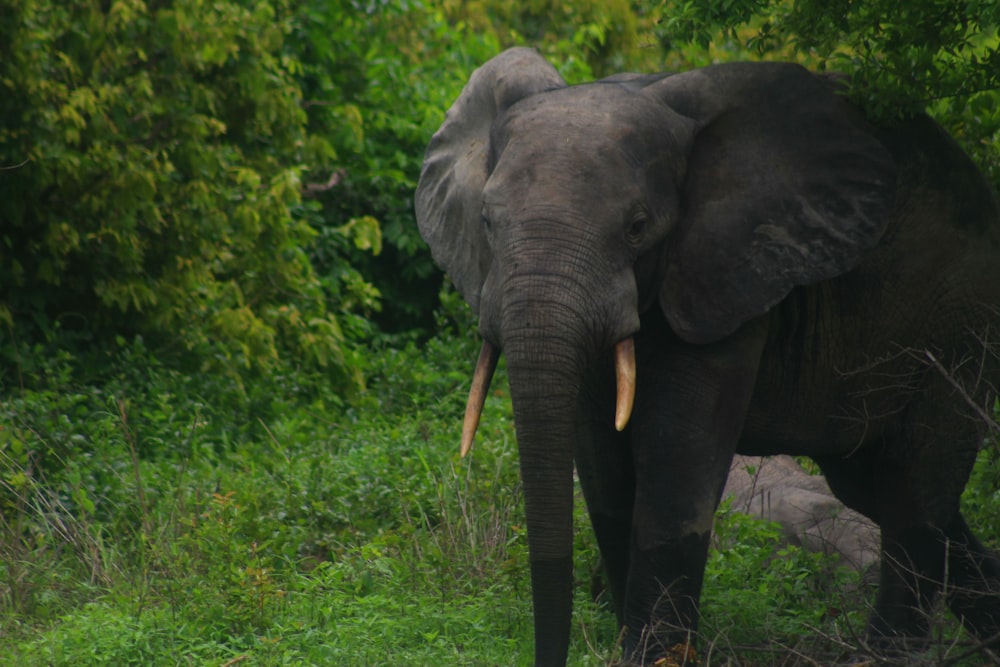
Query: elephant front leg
[674,509]
[690,407]
[663,590]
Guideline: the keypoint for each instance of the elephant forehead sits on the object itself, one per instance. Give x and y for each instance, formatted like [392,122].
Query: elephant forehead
[562,170]
[601,121]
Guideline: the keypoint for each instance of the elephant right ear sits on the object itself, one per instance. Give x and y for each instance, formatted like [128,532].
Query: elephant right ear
[449,197]
[786,185]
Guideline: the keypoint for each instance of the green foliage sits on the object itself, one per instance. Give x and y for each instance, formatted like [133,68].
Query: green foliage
[584,39]
[234,182]
[940,56]
[146,522]
[377,78]
[975,122]
[781,591]
[153,155]
[701,23]
[981,500]
[901,57]
[148,513]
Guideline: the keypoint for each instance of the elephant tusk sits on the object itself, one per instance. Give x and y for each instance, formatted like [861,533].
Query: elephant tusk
[489,355]
[625,374]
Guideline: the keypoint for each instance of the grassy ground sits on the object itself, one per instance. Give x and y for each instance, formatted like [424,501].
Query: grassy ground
[155,518]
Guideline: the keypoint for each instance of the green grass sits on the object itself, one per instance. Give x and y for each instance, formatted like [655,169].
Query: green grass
[156,518]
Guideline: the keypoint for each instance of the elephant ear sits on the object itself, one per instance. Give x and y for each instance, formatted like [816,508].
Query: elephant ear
[449,196]
[785,186]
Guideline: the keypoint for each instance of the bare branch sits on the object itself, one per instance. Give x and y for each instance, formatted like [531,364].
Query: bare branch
[314,189]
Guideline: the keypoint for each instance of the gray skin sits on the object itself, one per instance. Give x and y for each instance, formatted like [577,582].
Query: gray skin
[795,280]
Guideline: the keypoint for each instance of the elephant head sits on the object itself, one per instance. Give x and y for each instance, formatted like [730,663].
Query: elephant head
[562,213]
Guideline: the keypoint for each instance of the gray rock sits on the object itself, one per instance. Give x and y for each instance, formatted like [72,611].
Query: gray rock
[778,489]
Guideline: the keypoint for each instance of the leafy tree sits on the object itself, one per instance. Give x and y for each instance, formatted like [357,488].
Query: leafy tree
[376,79]
[152,158]
[904,54]
[902,57]
[233,181]
[592,38]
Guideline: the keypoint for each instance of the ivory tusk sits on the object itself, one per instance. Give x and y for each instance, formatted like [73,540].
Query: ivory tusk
[625,375]
[489,355]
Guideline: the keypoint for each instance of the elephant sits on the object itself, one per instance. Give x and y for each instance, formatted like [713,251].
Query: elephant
[733,259]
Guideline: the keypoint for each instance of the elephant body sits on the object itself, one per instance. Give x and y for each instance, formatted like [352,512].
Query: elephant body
[925,289]
[777,274]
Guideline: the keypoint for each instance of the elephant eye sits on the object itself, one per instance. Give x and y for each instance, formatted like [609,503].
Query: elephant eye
[636,229]
[486,222]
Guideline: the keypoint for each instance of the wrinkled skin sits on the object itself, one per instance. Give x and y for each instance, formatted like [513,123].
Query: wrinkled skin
[794,280]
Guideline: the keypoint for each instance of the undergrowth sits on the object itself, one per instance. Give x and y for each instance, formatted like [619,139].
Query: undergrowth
[156,518]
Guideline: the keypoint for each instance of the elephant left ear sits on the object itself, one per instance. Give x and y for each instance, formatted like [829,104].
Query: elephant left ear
[786,185]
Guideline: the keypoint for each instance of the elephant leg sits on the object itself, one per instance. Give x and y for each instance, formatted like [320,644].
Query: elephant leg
[912,572]
[604,467]
[910,483]
[919,564]
[913,557]
[973,589]
[912,561]
[690,406]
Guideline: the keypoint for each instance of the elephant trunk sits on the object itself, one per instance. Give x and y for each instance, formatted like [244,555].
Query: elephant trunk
[548,344]
[544,390]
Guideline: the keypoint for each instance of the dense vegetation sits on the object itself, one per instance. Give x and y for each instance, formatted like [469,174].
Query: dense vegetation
[231,378]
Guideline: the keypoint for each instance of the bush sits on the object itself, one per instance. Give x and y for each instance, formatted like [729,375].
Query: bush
[143,521]
[152,160]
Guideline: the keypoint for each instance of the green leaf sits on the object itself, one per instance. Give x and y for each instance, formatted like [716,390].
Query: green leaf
[366,233]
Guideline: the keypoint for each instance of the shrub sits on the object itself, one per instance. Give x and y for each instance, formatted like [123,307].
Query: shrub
[153,156]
